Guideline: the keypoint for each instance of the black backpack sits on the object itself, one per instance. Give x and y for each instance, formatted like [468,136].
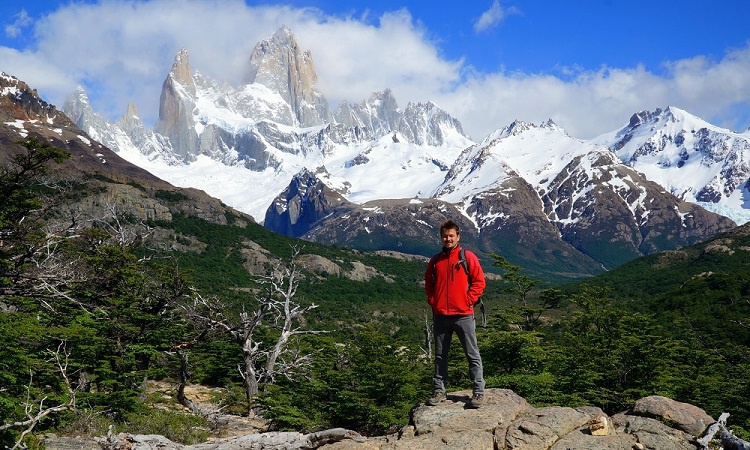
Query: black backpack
[465,264]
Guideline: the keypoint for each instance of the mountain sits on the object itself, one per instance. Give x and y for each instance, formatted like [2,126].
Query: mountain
[102,180]
[220,258]
[371,175]
[573,210]
[696,161]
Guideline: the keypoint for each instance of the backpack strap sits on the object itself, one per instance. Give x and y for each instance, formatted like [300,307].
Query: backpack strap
[462,260]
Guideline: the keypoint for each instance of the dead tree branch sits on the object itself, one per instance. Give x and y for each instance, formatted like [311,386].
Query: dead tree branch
[36,411]
[275,308]
[727,439]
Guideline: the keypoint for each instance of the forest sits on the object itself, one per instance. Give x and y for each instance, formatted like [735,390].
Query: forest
[91,310]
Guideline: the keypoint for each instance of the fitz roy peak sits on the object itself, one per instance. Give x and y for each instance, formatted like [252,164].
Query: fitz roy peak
[280,65]
[373,176]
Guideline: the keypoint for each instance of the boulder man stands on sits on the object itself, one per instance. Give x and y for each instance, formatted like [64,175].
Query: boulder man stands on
[452,293]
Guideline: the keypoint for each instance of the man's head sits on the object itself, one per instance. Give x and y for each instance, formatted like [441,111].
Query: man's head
[450,234]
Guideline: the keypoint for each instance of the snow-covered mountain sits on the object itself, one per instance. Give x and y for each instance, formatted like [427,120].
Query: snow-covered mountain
[254,138]
[531,193]
[273,148]
[694,160]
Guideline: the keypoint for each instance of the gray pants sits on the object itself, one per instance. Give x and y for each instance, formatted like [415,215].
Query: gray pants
[465,328]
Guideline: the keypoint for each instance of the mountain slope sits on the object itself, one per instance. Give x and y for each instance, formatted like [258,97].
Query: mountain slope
[592,201]
[105,181]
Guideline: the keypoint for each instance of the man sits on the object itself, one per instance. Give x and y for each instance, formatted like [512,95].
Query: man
[453,288]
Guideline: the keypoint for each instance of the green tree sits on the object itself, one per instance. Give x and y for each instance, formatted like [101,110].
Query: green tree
[26,198]
[368,384]
[525,315]
[83,311]
[609,357]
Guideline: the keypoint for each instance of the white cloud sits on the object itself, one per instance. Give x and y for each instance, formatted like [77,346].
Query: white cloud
[492,17]
[354,59]
[121,51]
[589,103]
[22,20]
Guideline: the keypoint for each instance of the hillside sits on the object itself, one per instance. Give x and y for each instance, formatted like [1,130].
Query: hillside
[703,289]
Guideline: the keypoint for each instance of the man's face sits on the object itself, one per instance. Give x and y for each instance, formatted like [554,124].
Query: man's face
[450,238]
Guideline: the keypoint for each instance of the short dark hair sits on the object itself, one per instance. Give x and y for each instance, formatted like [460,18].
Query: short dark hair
[449,225]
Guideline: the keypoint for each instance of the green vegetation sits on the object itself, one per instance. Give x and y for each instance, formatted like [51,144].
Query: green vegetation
[88,314]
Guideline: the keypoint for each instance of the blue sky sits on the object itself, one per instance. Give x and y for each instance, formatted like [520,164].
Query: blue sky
[587,65]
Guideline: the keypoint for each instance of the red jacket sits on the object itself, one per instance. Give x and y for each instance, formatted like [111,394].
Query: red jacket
[450,291]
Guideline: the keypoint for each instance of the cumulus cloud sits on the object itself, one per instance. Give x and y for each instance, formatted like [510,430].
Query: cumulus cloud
[353,59]
[589,103]
[121,52]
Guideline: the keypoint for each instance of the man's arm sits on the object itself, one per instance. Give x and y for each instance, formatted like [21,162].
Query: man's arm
[477,282]
[429,277]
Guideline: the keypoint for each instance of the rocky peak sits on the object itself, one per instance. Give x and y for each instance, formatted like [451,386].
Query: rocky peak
[377,116]
[674,144]
[181,72]
[78,107]
[176,105]
[642,117]
[279,64]
[517,127]
[131,111]
[130,118]
[19,102]
[427,123]
[551,125]
[668,115]
[302,204]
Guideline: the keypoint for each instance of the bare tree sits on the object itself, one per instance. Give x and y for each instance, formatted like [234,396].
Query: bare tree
[275,308]
[427,349]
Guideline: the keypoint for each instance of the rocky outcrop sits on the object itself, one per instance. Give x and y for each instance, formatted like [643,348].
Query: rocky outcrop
[508,422]
[505,422]
[122,198]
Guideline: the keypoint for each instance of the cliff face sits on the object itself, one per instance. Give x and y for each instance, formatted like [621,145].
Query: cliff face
[505,422]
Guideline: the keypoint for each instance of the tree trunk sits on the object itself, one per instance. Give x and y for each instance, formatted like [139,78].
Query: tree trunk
[249,377]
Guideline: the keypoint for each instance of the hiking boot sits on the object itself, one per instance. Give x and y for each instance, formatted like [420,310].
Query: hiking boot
[477,400]
[437,397]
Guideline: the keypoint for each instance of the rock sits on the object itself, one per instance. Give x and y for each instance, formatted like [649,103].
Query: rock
[540,428]
[599,426]
[686,417]
[652,434]
[55,442]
